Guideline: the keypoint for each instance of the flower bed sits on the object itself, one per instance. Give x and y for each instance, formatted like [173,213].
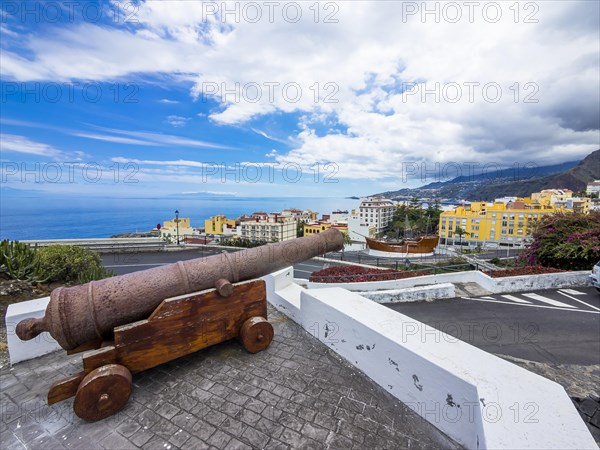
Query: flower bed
[526,270]
[356,274]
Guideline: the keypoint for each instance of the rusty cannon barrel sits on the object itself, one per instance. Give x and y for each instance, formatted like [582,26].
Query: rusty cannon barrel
[80,314]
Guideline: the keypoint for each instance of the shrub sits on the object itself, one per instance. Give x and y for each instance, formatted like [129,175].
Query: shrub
[242,242]
[18,260]
[356,274]
[69,263]
[565,241]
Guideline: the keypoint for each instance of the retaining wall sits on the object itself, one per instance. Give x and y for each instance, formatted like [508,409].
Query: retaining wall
[415,294]
[494,285]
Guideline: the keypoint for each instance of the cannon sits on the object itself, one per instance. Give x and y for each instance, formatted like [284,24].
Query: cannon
[133,322]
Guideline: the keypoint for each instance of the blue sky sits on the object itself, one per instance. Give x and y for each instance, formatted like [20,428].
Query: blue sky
[160,98]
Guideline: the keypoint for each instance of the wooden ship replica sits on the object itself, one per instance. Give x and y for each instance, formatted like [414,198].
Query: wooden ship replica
[409,245]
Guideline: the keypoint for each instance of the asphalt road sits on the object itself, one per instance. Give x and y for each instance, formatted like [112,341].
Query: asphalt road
[554,326]
[122,263]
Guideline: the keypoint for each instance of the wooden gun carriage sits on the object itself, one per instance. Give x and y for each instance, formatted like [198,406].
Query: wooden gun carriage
[130,323]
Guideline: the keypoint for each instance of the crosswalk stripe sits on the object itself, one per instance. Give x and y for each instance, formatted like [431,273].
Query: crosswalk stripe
[577,300]
[529,305]
[547,300]
[572,292]
[514,299]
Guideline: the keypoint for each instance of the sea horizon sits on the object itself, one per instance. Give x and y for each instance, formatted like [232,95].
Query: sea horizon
[68,216]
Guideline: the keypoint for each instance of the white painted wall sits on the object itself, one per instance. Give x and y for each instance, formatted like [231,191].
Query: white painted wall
[494,285]
[533,282]
[427,280]
[19,350]
[501,405]
[415,294]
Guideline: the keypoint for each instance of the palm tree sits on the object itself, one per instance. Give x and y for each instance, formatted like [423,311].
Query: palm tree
[347,240]
[461,232]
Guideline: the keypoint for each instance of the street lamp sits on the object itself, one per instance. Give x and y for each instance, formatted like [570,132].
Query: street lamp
[177,222]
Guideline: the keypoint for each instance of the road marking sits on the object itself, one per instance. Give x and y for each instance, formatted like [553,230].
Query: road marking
[530,306]
[137,265]
[543,299]
[572,292]
[305,271]
[515,299]
[577,300]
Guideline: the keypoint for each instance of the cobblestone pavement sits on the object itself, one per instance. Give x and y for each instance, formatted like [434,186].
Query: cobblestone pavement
[295,394]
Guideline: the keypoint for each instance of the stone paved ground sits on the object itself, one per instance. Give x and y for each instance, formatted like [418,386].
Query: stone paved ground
[296,394]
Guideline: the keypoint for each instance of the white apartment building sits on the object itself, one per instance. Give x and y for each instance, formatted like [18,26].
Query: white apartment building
[272,228]
[593,187]
[377,211]
[357,229]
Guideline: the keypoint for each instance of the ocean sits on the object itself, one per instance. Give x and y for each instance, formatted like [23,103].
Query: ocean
[71,217]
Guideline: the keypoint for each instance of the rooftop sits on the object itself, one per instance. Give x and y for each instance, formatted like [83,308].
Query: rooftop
[295,394]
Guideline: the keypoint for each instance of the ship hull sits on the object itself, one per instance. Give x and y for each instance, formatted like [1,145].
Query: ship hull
[423,245]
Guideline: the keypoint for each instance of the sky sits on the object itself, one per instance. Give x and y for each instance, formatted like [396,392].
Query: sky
[281,98]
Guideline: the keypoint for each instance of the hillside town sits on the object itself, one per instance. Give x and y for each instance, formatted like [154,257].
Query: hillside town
[506,221]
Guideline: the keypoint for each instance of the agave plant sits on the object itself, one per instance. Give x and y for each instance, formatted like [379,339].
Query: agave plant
[19,261]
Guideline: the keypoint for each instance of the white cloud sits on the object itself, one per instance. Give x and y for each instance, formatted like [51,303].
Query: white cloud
[177,121]
[21,144]
[166,139]
[145,138]
[350,76]
[168,102]
[115,139]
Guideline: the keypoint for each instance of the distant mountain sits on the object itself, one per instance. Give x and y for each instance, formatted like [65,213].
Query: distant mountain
[519,182]
[6,191]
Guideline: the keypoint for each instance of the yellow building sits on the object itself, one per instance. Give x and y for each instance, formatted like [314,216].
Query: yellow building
[551,197]
[215,224]
[563,199]
[318,227]
[498,222]
[315,227]
[169,230]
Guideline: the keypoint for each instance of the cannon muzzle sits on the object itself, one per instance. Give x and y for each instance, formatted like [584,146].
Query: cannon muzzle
[80,314]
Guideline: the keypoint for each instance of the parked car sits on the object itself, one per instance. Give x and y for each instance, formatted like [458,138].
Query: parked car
[595,276]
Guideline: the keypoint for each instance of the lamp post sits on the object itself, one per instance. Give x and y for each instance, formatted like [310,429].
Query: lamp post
[177,223]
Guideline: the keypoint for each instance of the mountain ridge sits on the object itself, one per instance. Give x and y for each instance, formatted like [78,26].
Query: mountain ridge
[518,182]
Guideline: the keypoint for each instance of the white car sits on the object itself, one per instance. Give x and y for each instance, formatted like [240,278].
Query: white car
[595,276]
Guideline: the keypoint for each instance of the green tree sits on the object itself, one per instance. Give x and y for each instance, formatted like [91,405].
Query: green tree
[413,219]
[347,240]
[460,232]
[300,228]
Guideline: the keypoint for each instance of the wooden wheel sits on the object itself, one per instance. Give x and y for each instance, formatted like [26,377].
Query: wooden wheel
[103,392]
[256,334]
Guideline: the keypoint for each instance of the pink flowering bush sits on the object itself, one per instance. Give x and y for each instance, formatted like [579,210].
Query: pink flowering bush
[569,241]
